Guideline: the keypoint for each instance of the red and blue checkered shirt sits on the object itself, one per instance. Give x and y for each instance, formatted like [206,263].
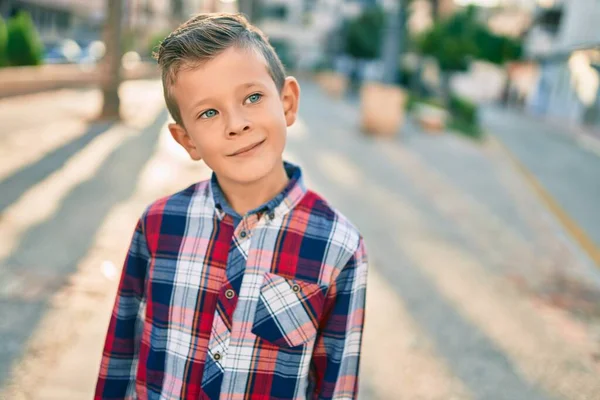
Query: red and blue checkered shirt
[266,306]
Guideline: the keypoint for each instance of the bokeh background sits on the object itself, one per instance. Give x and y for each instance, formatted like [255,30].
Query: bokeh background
[461,137]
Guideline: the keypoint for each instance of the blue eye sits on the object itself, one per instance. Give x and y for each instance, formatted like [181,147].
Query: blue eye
[254,97]
[208,113]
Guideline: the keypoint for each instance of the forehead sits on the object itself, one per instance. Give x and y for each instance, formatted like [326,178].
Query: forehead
[224,73]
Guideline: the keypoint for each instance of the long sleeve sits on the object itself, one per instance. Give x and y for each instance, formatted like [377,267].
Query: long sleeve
[116,379]
[336,356]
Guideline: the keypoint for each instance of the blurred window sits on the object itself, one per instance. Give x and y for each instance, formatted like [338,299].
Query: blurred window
[275,11]
[62,20]
[549,19]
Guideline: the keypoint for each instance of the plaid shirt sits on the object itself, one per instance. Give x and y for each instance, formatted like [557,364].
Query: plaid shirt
[210,306]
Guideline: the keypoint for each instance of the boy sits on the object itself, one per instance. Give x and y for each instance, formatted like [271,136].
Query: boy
[246,286]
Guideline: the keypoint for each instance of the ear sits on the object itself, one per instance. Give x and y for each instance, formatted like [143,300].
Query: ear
[181,136]
[290,97]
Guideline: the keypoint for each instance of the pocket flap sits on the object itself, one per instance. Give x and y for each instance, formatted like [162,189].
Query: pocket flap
[288,310]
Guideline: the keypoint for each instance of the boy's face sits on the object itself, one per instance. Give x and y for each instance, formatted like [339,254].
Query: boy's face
[235,118]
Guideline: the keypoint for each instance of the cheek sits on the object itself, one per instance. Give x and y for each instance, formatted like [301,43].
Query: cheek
[277,120]
[204,145]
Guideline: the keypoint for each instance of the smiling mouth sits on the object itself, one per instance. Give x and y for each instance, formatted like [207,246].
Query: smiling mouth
[247,148]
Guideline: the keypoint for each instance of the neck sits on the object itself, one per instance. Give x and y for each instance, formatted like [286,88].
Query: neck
[244,197]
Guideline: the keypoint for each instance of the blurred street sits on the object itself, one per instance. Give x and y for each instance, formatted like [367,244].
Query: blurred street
[476,290]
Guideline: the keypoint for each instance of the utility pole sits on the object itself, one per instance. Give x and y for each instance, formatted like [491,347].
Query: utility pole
[177,11]
[435,10]
[111,66]
[246,7]
[393,41]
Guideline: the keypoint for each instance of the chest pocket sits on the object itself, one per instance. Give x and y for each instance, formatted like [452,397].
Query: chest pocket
[288,311]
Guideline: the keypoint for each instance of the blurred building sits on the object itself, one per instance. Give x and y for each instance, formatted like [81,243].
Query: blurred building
[83,20]
[56,19]
[310,29]
[565,42]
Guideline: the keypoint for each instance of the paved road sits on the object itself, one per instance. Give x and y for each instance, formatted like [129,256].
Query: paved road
[568,170]
[474,291]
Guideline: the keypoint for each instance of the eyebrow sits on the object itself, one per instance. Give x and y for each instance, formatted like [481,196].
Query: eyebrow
[249,84]
[242,86]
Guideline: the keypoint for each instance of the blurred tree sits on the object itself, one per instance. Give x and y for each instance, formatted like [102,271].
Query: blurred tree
[455,41]
[3,40]
[364,34]
[23,46]
[496,49]
[111,73]
[154,42]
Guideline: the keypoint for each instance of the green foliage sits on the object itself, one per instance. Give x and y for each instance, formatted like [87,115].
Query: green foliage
[473,131]
[464,117]
[154,43]
[128,41]
[24,46]
[3,40]
[463,109]
[364,34]
[405,76]
[282,48]
[456,40]
[496,49]
[414,100]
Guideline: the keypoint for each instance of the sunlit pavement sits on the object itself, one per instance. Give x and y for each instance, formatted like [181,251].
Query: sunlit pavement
[475,291]
[562,161]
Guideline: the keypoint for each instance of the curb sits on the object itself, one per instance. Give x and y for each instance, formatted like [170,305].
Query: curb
[15,81]
[574,230]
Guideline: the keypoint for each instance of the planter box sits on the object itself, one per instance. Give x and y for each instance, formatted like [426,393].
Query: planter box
[334,83]
[431,119]
[382,109]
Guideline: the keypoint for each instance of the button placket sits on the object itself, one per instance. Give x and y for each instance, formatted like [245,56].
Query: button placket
[246,225]
[243,228]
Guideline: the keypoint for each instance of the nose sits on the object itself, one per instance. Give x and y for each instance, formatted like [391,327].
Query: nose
[237,125]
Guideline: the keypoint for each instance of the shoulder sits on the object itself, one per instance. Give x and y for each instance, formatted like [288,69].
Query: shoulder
[175,206]
[326,222]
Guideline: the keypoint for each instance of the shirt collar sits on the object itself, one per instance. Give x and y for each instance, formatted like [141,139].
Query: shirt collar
[280,204]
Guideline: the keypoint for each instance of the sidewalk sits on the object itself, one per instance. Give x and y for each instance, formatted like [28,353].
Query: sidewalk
[64,355]
[565,170]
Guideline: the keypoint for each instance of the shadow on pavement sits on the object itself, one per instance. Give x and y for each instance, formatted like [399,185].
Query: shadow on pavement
[16,184]
[51,251]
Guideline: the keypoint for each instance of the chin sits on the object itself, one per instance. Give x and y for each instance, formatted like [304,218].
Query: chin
[252,171]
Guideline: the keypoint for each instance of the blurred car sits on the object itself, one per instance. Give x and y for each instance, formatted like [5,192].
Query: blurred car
[65,51]
[92,53]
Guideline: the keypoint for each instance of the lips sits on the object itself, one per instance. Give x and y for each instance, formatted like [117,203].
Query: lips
[247,148]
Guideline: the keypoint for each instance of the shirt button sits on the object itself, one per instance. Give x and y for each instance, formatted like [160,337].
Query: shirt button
[243,234]
[271,215]
[296,288]
[217,356]
[229,294]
